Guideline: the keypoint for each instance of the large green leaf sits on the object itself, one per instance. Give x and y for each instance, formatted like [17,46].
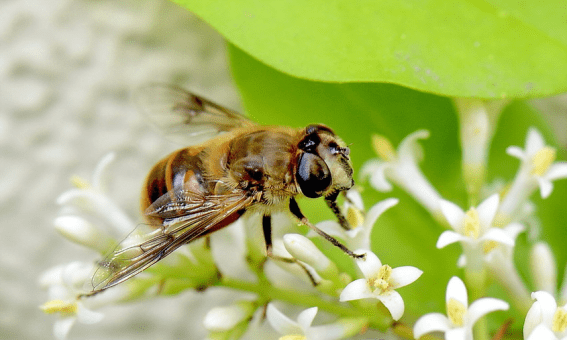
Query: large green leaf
[476,48]
[406,234]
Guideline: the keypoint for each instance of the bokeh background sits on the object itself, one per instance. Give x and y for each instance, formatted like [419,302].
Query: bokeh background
[67,68]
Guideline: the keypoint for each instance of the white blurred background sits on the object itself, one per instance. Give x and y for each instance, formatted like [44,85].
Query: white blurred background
[67,68]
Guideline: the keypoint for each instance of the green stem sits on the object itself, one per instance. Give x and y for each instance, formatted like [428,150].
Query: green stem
[267,293]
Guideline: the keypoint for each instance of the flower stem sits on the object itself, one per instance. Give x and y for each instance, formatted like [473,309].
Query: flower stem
[267,292]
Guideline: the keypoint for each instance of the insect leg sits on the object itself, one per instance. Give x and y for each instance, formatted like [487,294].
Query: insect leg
[267,228]
[294,208]
[332,203]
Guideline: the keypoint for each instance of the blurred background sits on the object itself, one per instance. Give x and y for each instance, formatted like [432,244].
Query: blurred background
[67,69]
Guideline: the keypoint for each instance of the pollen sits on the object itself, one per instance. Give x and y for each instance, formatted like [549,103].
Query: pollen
[456,312]
[383,148]
[472,224]
[354,217]
[542,160]
[59,306]
[293,337]
[79,182]
[381,280]
[559,323]
[489,246]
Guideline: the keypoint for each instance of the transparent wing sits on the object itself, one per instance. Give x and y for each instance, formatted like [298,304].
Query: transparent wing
[187,216]
[185,117]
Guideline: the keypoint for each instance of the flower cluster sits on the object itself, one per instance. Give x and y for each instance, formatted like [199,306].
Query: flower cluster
[301,272]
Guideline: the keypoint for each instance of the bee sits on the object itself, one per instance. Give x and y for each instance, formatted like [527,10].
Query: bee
[231,166]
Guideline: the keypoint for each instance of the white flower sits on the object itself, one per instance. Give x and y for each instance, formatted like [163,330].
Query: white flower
[359,235]
[64,284]
[302,329]
[545,320]
[401,168]
[537,169]
[91,199]
[473,229]
[460,317]
[380,282]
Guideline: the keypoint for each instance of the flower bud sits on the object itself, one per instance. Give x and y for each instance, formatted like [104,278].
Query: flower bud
[220,319]
[304,250]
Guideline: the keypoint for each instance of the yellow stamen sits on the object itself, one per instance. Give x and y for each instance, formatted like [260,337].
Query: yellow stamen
[79,182]
[383,148]
[472,224]
[293,337]
[559,323]
[59,306]
[456,312]
[542,160]
[381,280]
[488,246]
[354,217]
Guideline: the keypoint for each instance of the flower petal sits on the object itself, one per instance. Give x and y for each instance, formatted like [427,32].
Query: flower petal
[394,302]
[487,209]
[452,213]
[545,186]
[377,210]
[354,196]
[516,151]
[356,290]
[432,322]
[484,306]
[330,227]
[534,317]
[403,276]
[280,322]
[541,332]
[87,316]
[458,334]
[498,235]
[456,290]
[547,304]
[534,142]
[378,178]
[449,237]
[62,327]
[305,318]
[407,147]
[556,171]
[370,264]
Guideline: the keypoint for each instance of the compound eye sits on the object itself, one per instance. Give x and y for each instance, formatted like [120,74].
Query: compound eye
[313,175]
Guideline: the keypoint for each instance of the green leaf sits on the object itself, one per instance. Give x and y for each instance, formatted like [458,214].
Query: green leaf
[477,48]
[406,234]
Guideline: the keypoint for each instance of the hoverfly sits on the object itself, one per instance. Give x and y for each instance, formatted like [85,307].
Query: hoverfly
[232,166]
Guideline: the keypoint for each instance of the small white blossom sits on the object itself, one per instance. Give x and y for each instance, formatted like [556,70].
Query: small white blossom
[537,169]
[460,317]
[401,167]
[361,223]
[380,282]
[64,284]
[545,320]
[302,329]
[473,229]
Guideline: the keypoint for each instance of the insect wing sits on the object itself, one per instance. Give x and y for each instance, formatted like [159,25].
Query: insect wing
[185,117]
[187,216]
